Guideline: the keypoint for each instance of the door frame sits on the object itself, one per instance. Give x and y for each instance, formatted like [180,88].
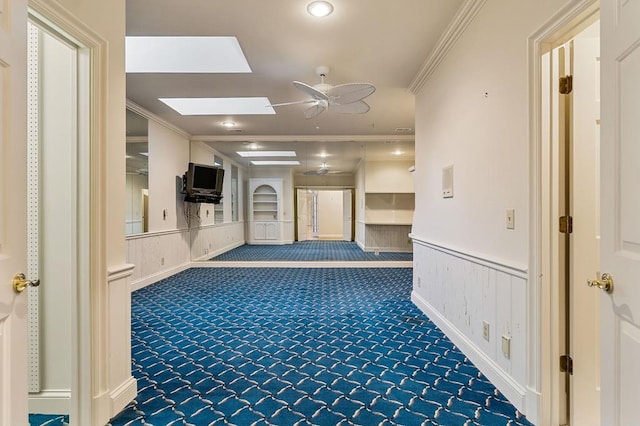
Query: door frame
[324,188]
[543,375]
[90,355]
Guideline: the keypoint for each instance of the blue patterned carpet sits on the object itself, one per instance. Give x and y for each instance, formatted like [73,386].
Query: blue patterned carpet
[269,346]
[309,251]
[48,420]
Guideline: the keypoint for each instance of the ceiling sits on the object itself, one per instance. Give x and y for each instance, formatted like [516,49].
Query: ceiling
[381,42]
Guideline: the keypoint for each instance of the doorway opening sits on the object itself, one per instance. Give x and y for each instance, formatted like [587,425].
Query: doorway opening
[568,217]
[324,214]
[58,216]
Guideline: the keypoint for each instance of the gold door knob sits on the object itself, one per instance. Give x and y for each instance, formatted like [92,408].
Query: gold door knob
[20,282]
[605,283]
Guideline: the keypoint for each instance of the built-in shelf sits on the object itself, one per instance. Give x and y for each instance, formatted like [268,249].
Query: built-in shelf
[265,211]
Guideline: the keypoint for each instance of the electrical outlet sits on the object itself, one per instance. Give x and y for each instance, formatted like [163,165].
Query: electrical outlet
[485,330]
[506,346]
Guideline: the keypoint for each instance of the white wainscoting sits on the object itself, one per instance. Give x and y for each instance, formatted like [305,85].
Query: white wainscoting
[157,255]
[458,291]
[212,240]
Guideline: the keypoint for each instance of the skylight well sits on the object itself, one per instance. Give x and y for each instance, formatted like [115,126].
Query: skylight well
[220,106]
[266,153]
[185,55]
[275,162]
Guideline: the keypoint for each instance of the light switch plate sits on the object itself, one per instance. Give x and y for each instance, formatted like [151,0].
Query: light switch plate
[511,219]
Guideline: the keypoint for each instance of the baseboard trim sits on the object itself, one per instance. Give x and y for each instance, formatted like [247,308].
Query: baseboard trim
[219,251]
[122,395]
[511,389]
[50,402]
[151,279]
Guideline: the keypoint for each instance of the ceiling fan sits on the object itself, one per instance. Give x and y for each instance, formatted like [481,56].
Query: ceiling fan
[343,98]
[322,170]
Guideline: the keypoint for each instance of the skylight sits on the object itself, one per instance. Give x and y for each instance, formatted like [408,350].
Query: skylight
[185,55]
[220,106]
[275,163]
[266,153]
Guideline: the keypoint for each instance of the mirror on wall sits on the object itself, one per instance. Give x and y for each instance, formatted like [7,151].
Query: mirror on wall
[137,179]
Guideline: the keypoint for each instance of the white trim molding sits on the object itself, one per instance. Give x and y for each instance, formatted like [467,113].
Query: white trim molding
[120,272]
[497,264]
[464,16]
[151,116]
[542,373]
[123,394]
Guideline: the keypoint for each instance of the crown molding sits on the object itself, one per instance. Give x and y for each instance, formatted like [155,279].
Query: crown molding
[302,138]
[150,116]
[463,17]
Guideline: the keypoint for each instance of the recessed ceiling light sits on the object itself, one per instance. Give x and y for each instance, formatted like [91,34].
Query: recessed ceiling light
[220,106]
[266,153]
[274,163]
[185,55]
[228,124]
[320,8]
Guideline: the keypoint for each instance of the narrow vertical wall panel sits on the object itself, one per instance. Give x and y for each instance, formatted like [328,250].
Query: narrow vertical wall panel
[503,328]
[488,301]
[33,324]
[518,330]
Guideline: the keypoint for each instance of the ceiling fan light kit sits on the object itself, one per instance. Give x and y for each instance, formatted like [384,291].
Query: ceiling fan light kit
[343,98]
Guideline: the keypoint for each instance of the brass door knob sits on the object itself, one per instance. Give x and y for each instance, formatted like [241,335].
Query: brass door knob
[605,283]
[20,282]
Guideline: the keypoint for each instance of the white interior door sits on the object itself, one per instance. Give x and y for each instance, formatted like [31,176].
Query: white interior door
[346,214]
[303,215]
[13,306]
[620,211]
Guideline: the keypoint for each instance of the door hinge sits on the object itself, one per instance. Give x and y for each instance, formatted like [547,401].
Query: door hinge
[566,85]
[566,224]
[566,364]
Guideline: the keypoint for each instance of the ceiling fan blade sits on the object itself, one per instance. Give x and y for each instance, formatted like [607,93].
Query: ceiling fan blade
[312,173]
[308,101]
[351,92]
[311,91]
[358,107]
[315,110]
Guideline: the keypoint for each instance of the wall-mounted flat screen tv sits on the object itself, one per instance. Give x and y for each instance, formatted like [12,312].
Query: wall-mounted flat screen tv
[204,180]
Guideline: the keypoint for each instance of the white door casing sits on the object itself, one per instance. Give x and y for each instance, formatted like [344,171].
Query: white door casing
[13,125]
[620,210]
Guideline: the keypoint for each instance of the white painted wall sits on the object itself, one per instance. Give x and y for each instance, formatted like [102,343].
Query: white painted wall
[473,113]
[330,212]
[388,176]
[168,160]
